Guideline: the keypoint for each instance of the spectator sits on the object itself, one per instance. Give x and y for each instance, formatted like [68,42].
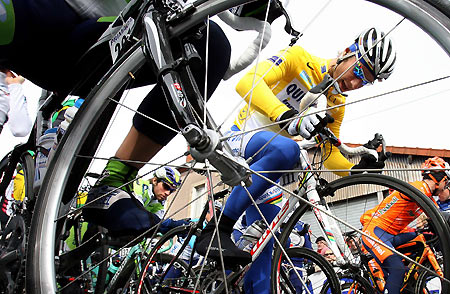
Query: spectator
[329,256]
[322,245]
[13,104]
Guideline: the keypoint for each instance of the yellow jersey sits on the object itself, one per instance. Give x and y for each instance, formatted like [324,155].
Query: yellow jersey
[286,78]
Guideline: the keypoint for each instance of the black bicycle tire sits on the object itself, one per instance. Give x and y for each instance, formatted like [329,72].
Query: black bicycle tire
[102,270]
[54,176]
[170,235]
[363,282]
[424,202]
[126,273]
[324,265]
[421,279]
[28,165]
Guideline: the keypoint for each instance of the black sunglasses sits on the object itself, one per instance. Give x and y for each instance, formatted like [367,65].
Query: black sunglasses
[167,186]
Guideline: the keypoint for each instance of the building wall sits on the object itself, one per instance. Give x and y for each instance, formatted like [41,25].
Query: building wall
[191,199]
[396,166]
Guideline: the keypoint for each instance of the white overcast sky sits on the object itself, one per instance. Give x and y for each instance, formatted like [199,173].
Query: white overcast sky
[413,118]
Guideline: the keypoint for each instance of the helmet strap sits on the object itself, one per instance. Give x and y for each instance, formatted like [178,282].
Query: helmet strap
[344,57]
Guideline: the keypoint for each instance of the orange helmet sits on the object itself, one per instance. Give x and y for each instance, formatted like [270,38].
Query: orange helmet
[438,175]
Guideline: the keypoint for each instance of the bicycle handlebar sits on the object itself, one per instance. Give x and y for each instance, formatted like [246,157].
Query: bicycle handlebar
[368,148]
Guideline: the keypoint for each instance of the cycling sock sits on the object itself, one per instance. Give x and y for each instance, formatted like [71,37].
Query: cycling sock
[117,173]
[231,254]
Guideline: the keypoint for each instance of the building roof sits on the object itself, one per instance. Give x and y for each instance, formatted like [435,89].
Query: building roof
[413,150]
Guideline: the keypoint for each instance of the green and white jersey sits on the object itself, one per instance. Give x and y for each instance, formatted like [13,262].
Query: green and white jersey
[144,193]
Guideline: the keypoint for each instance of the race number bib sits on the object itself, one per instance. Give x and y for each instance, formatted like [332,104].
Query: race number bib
[116,43]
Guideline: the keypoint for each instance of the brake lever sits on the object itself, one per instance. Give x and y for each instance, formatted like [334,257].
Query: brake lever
[323,85]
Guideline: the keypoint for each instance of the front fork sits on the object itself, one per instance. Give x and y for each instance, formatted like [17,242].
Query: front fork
[328,224]
[204,144]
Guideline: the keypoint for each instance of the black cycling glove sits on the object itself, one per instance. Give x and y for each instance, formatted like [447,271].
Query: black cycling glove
[367,162]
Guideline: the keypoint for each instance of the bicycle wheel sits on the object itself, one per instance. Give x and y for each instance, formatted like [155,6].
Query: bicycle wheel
[352,284]
[157,275]
[14,236]
[17,179]
[87,130]
[308,273]
[366,182]
[428,283]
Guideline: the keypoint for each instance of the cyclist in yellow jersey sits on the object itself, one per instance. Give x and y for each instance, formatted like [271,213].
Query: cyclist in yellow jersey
[285,79]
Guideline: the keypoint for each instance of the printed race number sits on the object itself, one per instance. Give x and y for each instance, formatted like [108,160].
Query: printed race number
[116,43]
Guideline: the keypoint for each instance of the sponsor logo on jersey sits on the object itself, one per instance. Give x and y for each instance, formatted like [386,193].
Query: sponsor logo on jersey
[275,59]
[323,69]
[387,207]
[305,77]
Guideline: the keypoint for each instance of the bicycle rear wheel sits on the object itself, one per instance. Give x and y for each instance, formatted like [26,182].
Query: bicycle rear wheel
[372,182]
[19,207]
[158,274]
[310,273]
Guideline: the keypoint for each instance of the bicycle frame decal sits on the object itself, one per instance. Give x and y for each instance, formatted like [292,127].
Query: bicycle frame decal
[180,94]
[273,226]
[410,271]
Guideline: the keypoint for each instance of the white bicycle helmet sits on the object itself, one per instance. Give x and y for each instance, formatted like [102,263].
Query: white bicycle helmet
[169,175]
[377,51]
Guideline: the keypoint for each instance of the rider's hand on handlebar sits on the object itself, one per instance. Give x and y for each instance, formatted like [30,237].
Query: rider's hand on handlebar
[310,125]
[367,162]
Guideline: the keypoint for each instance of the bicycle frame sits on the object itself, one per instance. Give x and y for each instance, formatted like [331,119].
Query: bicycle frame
[420,251]
[327,224]
[424,255]
[322,212]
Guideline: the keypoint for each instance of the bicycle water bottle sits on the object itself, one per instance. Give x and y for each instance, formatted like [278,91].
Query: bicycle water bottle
[251,235]
[45,143]
[69,114]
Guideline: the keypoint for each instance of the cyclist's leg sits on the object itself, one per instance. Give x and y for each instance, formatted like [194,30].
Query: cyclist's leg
[121,214]
[257,279]
[146,137]
[49,39]
[390,262]
[281,153]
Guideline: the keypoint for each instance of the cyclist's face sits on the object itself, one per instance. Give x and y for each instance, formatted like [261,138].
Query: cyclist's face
[161,189]
[444,190]
[321,244]
[349,80]
[329,255]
